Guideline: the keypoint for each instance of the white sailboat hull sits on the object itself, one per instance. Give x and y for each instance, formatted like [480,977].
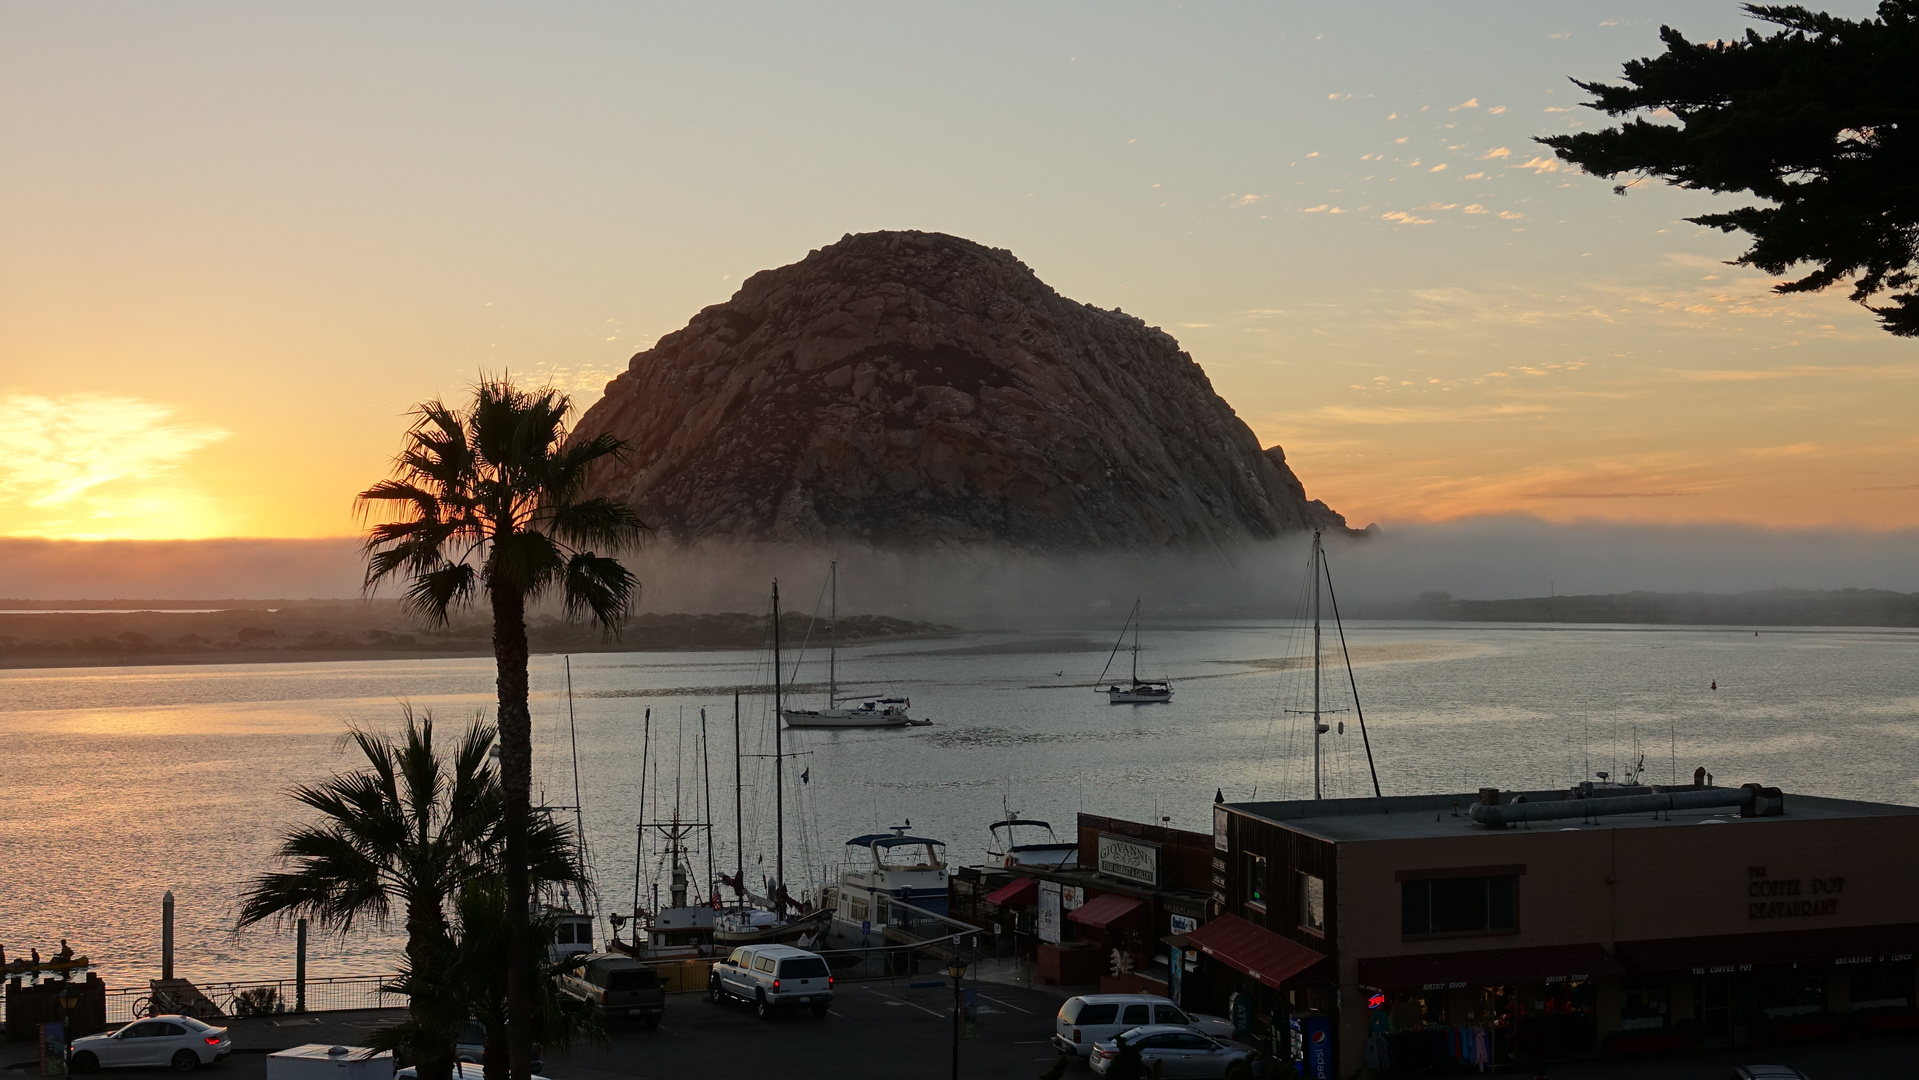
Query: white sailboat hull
[850,718]
[1138,695]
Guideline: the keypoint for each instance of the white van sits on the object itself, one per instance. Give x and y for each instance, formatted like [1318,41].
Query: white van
[1092,1018]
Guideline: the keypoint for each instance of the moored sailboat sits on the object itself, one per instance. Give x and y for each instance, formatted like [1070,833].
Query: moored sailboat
[1139,691]
[877,712]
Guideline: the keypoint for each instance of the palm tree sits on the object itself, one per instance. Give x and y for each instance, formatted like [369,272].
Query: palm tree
[405,832]
[489,498]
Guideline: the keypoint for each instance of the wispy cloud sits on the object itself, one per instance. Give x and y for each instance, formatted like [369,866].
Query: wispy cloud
[1539,165]
[1469,103]
[1405,218]
[1497,152]
[55,450]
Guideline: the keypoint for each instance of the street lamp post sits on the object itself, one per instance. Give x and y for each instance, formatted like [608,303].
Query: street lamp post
[957,969]
[69,998]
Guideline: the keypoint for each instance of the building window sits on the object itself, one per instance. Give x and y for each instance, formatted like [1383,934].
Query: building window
[1312,904]
[1642,1005]
[1256,881]
[1884,985]
[1464,905]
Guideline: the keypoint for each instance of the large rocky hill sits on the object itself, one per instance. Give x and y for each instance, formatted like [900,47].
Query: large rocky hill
[907,389]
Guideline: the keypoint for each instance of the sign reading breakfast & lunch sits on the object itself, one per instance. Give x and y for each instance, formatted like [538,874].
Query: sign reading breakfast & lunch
[1129,859]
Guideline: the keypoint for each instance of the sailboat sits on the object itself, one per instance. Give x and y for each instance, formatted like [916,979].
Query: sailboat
[1139,691]
[789,921]
[1322,574]
[573,929]
[878,712]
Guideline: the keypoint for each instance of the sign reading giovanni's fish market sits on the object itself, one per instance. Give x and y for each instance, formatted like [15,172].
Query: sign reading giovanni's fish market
[1128,859]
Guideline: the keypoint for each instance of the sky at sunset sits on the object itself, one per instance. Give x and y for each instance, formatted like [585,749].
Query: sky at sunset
[237,241]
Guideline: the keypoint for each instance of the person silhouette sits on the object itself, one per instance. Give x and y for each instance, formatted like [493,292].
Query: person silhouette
[65,954]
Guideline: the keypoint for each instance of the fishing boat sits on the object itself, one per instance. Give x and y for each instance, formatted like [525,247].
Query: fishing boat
[880,712]
[682,927]
[899,869]
[1050,853]
[1139,691]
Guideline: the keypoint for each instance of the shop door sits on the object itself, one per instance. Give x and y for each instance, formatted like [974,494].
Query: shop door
[1715,1010]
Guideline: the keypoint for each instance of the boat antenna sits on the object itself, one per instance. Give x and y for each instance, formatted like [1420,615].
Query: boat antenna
[706,772]
[779,759]
[1365,738]
[739,819]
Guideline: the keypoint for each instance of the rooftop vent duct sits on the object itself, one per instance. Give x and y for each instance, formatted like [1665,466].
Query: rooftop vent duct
[1752,801]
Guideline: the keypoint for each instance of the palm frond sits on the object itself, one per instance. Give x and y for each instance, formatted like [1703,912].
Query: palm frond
[598,523]
[601,587]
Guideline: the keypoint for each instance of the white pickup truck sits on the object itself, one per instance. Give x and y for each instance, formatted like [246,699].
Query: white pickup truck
[773,977]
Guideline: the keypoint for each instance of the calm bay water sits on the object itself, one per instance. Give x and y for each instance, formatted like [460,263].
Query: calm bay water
[122,783]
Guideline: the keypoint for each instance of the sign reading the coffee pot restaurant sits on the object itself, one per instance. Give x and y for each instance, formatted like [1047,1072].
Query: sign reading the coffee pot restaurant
[1128,859]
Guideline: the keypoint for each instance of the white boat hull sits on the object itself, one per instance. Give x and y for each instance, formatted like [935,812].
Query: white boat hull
[1119,696]
[850,718]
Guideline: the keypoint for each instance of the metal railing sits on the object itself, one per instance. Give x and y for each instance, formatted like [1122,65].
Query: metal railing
[260,997]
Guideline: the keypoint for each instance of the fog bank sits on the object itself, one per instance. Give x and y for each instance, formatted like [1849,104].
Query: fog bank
[1485,558]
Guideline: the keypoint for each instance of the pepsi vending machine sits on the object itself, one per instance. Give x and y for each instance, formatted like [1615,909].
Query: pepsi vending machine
[1313,1045]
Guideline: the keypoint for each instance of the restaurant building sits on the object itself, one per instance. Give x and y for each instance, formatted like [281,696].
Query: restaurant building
[1103,918]
[1424,933]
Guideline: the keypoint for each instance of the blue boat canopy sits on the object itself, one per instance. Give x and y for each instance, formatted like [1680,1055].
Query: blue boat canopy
[887,840]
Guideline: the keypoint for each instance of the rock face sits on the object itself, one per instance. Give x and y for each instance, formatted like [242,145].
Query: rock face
[907,389]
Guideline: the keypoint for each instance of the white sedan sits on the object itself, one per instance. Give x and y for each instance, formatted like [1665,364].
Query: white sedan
[1177,1051]
[179,1041]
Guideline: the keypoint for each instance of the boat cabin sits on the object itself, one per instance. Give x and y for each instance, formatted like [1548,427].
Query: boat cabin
[900,869]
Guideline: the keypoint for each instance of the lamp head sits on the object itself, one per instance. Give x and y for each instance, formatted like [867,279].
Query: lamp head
[957,969]
[68,999]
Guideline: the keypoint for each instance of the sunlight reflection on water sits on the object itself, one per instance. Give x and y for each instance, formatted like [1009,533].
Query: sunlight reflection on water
[125,782]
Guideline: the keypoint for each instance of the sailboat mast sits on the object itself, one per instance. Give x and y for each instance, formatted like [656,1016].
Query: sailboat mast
[1136,643]
[779,760]
[833,642]
[739,815]
[1317,728]
[639,839]
[579,813]
[1333,595]
[706,771]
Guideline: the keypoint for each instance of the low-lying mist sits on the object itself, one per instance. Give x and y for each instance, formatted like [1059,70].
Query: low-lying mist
[1484,558]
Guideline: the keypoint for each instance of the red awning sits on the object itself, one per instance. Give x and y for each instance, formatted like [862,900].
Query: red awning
[1108,910]
[1488,967]
[1016,893]
[1854,943]
[1252,949]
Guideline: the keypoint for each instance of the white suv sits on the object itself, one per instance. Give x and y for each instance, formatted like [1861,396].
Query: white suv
[773,977]
[1092,1018]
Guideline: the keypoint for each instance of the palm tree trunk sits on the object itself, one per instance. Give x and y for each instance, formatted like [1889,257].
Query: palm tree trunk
[425,948]
[516,784]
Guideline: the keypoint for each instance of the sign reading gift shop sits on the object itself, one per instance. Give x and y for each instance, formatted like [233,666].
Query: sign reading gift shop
[1128,859]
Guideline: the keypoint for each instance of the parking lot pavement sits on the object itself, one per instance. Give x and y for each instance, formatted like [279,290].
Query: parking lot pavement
[875,1029]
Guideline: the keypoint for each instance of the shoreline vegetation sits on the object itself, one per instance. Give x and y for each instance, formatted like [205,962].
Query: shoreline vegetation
[116,633]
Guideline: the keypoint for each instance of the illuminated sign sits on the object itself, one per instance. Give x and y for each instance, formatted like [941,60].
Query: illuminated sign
[1376,1001]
